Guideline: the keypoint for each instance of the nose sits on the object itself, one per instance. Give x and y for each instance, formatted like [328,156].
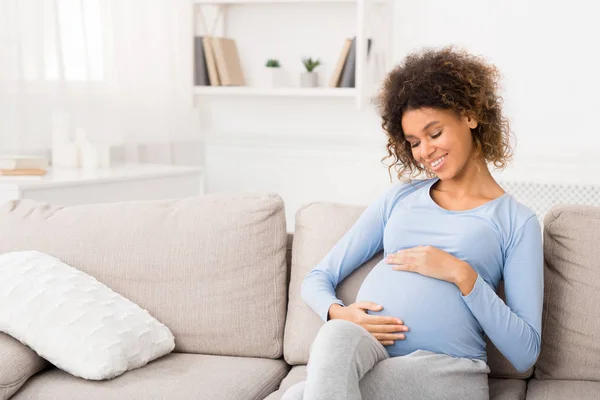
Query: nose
[427,150]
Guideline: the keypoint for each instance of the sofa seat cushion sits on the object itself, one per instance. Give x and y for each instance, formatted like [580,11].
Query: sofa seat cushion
[195,263]
[175,376]
[296,374]
[500,389]
[560,390]
[17,363]
[507,389]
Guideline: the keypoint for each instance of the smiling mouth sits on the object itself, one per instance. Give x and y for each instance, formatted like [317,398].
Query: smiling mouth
[437,164]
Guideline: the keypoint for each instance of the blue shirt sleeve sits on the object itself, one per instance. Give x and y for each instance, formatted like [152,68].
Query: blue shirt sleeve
[515,328]
[358,245]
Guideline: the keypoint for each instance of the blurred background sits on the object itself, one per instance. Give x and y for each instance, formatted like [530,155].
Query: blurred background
[91,85]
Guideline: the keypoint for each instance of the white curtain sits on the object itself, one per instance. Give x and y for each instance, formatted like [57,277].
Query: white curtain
[118,70]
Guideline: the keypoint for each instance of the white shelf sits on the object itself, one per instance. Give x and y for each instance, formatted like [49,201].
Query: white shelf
[216,2]
[225,2]
[61,177]
[281,92]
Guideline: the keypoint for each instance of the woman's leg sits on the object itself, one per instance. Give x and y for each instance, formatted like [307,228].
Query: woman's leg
[347,362]
[427,375]
[295,392]
[340,356]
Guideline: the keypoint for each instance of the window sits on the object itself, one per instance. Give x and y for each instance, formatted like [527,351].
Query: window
[61,38]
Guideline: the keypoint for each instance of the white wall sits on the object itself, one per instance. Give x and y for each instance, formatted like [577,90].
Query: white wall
[323,149]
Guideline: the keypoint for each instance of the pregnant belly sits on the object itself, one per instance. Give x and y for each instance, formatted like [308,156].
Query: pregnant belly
[434,311]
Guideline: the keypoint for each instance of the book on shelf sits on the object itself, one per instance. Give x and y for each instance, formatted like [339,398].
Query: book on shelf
[339,67]
[228,62]
[23,162]
[211,64]
[23,172]
[201,77]
[347,79]
[217,62]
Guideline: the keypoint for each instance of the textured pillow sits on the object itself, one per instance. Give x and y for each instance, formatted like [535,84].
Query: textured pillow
[74,321]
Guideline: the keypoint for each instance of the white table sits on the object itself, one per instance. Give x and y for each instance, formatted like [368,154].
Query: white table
[125,182]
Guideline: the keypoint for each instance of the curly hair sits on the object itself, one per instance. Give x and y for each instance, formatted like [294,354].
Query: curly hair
[446,79]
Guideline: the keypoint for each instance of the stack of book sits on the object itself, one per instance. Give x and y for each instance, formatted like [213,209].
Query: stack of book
[20,165]
[344,74]
[216,62]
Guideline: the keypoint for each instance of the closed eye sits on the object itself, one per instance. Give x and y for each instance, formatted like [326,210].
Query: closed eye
[415,144]
[437,135]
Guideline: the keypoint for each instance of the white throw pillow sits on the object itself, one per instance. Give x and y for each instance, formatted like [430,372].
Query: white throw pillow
[75,322]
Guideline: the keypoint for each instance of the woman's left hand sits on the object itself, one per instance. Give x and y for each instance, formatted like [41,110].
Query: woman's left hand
[435,263]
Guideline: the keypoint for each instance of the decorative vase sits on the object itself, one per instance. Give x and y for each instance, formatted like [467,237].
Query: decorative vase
[277,77]
[309,79]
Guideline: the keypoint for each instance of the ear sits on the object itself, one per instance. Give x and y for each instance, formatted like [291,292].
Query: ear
[471,122]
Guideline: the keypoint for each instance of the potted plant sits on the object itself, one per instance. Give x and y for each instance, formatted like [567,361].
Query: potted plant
[309,78]
[277,75]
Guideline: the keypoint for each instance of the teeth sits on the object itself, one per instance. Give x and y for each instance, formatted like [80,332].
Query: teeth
[437,162]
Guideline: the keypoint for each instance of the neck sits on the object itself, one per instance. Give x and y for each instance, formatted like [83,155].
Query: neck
[474,180]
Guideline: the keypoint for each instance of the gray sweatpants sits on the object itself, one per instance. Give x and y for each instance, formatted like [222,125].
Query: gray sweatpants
[347,363]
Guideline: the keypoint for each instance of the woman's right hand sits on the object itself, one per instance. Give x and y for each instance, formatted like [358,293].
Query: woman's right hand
[385,329]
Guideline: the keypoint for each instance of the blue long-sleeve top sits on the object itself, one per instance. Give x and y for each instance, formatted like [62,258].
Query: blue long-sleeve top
[501,240]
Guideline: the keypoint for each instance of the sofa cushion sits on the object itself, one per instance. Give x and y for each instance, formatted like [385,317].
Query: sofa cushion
[561,390]
[318,227]
[507,389]
[175,376]
[17,363]
[195,264]
[500,389]
[571,322]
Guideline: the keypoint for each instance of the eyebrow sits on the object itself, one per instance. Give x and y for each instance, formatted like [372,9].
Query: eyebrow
[430,124]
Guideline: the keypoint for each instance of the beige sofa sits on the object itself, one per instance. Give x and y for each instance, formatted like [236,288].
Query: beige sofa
[213,269]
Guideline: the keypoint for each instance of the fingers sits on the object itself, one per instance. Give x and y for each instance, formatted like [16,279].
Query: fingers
[367,305]
[404,267]
[381,320]
[400,258]
[389,336]
[386,342]
[385,328]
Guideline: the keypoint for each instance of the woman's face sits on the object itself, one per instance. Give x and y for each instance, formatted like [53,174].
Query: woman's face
[440,140]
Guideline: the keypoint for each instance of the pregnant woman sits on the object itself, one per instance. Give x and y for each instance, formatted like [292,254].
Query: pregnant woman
[418,327]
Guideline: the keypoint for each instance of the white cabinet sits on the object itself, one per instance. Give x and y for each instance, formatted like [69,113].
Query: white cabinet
[127,182]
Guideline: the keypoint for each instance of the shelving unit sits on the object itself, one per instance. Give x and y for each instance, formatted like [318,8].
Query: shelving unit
[216,2]
[275,92]
[373,20]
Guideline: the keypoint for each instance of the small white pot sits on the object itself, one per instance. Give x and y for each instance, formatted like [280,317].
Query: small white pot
[278,77]
[309,79]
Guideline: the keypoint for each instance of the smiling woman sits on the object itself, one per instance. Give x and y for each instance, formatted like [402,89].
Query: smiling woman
[417,327]
[454,83]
